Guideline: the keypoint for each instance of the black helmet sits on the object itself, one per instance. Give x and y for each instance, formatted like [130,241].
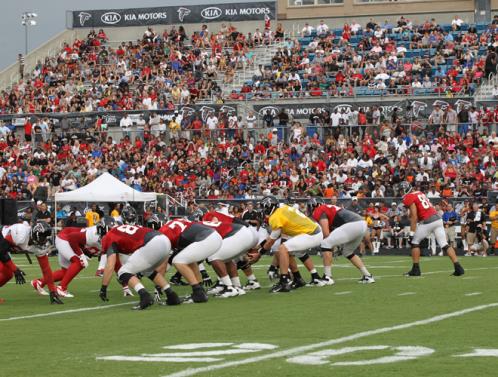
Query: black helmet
[156,220]
[313,203]
[129,215]
[106,224]
[405,187]
[268,205]
[40,232]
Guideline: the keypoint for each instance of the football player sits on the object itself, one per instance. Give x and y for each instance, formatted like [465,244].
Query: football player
[424,220]
[192,243]
[302,232]
[141,250]
[22,237]
[340,227]
[74,246]
[222,215]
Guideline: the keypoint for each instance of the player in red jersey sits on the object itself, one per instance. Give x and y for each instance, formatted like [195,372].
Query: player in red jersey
[340,227]
[192,242]
[141,250]
[28,239]
[74,246]
[424,221]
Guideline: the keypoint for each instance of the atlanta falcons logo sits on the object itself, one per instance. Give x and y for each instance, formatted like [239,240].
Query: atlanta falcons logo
[182,12]
[84,17]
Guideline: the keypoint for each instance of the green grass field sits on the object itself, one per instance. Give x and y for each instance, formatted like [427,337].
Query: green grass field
[264,334]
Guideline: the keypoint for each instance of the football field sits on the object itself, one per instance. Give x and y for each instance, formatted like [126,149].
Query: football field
[427,326]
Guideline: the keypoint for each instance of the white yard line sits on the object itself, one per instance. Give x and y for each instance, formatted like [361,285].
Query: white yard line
[473,294]
[407,294]
[298,350]
[60,312]
[342,293]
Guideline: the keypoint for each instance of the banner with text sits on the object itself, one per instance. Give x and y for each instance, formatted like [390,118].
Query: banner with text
[188,14]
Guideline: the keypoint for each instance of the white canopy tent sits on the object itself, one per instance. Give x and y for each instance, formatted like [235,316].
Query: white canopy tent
[105,188]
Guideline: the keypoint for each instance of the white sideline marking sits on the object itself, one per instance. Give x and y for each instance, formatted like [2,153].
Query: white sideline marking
[344,339]
[407,294]
[342,293]
[473,294]
[481,352]
[66,312]
[194,346]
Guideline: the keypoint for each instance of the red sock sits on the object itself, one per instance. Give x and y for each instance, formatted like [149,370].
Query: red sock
[47,272]
[56,275]
[5,274]
[71,272]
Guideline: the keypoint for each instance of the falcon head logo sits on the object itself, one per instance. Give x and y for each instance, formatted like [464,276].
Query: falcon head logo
[418,107]
[84,17]
[462,104]
[182,13]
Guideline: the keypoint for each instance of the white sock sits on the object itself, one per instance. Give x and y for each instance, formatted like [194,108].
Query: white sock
[201,267]
[327,270]
[251,277]
[313,271]
[364,271]
[236,281]
[138,287]
[166,287]
[102,262]
[225,280]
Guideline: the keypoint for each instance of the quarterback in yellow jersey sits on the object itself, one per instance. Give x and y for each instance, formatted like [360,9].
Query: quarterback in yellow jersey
[299,233]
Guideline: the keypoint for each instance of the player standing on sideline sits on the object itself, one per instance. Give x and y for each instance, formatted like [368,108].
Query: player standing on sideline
[424,220]
[340,227]
[141,250]
[29,239]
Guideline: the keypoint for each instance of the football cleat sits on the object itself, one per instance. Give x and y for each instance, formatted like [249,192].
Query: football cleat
[146,300]
[199,296]
[240,291]
[177,280]
[99,273]
[413,272]
[127,292]
[37,285]
[228,291]
[367,279]
[298,283]
[281,287]
[216,289]
[252,285]
[327,280]
[63,293]
[55,299]
[316,283]
[459,271]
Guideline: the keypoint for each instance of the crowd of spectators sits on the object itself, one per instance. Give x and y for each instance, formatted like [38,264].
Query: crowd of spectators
[379,59]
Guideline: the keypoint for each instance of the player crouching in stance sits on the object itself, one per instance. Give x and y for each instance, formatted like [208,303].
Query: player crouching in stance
[192,243]
[22,237]
[141,250]
[302,233]
[340,227]
[424,221]
[74,246]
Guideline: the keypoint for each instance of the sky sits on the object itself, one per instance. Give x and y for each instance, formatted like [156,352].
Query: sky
[52,19]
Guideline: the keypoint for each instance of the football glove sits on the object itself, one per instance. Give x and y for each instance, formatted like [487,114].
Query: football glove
[206,279]
[273,273]
[158,296]
[55,299]
[103,293]
[410,237]
[83,260]
[19,274]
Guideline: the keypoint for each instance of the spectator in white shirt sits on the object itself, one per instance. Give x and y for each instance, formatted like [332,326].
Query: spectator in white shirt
[125,124]
[322,29]
[212,123]
[457,23]
[307,30]
[355,27]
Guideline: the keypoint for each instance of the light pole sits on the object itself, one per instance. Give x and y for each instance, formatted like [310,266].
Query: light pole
[27,19]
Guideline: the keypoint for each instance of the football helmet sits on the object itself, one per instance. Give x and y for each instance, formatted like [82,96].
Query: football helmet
[129,215]
[106,224]
[268,205]
[313,203]
[198,214]
[405,187]
[156,220]
[40,232]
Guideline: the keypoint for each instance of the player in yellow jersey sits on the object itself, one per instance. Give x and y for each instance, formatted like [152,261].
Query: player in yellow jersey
[299,233]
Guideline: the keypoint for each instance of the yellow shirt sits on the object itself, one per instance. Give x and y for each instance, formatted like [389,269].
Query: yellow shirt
[92,218]
[369,221]
[115,213]
[291,221]
[494,223]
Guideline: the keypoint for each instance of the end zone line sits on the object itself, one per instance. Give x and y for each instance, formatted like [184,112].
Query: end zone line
[310,347]
[65,312]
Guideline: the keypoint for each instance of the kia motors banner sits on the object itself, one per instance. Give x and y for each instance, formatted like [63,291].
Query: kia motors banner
[419,108]
[173,15]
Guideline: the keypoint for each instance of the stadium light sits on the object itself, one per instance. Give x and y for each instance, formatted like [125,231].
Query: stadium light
[27,19]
